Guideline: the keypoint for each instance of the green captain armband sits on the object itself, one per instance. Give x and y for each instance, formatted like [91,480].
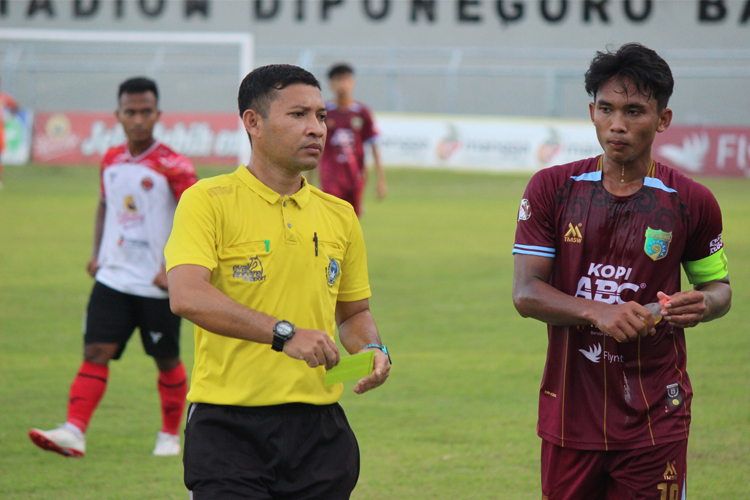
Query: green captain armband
[713,267]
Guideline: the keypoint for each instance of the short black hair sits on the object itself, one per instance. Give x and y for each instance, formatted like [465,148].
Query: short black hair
[340,70]
[259,87]
[644,67]
[138,85]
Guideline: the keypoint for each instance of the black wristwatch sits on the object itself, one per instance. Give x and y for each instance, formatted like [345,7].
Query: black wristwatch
[282,331]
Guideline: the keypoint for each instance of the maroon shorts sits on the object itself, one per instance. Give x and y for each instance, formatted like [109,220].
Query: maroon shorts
[351,194]
[652,473]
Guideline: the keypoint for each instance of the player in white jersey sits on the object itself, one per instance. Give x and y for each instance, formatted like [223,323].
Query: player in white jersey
[141,182]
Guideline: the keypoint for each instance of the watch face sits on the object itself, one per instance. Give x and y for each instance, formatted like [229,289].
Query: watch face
[284,328]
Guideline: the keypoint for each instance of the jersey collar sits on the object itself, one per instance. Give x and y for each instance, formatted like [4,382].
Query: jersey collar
[301,197]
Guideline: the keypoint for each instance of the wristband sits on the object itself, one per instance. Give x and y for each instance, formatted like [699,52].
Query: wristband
[382,348]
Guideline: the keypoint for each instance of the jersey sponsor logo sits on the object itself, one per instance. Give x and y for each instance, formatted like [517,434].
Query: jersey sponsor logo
[251,272]
[147,183]
[595,354]
[524,211]
[129,204]
[574,233]
[716,245]
[674,395]
[156,336]
[333,271]
[131,243]
[670,473]
[606,290]
[657,243]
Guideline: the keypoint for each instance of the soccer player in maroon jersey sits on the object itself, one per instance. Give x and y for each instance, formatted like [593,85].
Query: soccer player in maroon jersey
[596,240]
[350,126]
[141,182]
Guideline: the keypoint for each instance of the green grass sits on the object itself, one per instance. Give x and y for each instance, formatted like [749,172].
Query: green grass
[457,418]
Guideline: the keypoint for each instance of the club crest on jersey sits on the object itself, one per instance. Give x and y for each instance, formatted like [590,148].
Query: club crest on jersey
[333,271]
[147,183]
[356,122]
[524,211]
[130,204]
[657,243]
[250,272]
[674,395]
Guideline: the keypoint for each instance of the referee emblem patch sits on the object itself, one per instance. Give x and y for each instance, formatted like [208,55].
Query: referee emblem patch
[333,271]
[657,243]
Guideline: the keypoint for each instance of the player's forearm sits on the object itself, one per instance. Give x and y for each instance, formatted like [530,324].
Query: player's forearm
[358,331]
[101,211]
[378,165]
[539,300]
[718,299]
[206,306]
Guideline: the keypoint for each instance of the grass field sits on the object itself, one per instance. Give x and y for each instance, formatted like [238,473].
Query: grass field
[457,418]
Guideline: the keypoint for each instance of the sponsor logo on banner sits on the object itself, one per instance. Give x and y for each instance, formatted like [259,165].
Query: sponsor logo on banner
[72,138]
[16,149]
[710,151]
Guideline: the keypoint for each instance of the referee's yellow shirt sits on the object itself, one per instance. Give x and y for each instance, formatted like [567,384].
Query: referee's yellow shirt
[261,250]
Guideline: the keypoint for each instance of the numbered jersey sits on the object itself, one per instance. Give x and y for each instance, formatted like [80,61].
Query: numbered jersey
[141,195]
[596,393]
[344,155]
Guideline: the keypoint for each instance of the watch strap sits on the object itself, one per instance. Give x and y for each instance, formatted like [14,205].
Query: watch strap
[382,348]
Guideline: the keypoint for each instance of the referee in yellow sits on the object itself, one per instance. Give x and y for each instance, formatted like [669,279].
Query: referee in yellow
[267,266]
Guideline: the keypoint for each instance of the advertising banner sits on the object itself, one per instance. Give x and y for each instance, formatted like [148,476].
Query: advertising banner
[710,151]
[80,138]
[17,145]
[476,143]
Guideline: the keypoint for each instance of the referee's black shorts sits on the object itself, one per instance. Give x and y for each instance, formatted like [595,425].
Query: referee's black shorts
[112,316]
[287,452]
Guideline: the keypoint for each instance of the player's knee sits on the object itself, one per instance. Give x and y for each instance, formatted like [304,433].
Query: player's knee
[99,354]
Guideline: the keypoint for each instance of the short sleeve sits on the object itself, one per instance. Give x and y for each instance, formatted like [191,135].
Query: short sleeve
[535,228]
[704,259]
[369,130]
[193,237]
[355,282]
[181,176]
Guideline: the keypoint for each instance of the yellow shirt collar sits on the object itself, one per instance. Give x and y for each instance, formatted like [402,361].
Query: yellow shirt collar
[301,197]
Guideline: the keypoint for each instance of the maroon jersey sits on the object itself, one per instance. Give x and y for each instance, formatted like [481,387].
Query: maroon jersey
[596,393]
[344,156]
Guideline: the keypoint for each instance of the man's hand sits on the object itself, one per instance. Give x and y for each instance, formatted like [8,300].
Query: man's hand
[684,309]
[625,322]
[160,279]
[93,266]
[380,370]
[381,189]
[314,347]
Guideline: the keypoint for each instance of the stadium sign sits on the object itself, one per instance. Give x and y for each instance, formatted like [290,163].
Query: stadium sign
[378,11]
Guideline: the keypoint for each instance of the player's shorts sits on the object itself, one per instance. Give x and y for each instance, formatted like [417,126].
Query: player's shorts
[651,473]
[294,452]
[351,194]
[112,317]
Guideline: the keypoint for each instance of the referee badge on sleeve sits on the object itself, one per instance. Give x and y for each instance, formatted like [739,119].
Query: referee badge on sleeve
[333,271]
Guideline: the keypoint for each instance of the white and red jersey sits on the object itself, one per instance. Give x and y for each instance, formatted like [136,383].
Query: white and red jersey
[141,195]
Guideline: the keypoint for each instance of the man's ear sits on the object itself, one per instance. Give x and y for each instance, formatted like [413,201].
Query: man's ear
[665,119]
[252,121]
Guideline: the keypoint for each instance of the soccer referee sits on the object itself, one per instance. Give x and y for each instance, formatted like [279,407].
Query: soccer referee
[267,266]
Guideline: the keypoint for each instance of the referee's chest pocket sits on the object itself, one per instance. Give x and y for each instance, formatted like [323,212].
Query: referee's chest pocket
[247,262]
[331,260]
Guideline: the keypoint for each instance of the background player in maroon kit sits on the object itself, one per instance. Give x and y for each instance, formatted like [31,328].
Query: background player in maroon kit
[141,182]
[350,127]
[596,240]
